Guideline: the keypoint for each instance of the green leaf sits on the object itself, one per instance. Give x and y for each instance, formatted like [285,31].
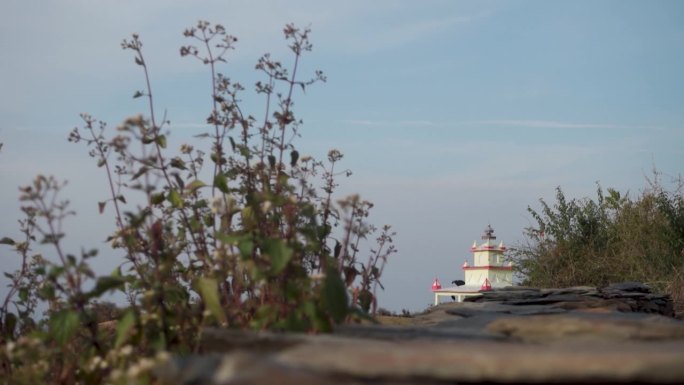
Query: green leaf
[137,94]
[279,253]
[194,186]
[161,141]
[272,161]
[175,199]
[334,296]
[140,172]
[365,300]
[123,327]
[221,183]
[246,246]
[23,294]
[157,198]
[294,156]
[179,181]
[9,325]
[7,241]
[208,289]
[318,320]
[159,342]
[338,249]
[63,326]
[175,294]
[178,163]
[105,284]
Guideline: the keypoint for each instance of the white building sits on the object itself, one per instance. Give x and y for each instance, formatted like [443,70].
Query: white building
[487,271]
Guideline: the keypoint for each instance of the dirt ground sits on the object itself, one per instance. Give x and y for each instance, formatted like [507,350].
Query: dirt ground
[431,316]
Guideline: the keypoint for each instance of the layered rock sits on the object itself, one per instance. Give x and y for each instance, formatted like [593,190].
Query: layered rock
[618,334]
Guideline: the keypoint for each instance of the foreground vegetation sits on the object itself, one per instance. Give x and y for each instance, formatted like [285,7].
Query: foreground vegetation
[245,233]
[611,238]
[238,230]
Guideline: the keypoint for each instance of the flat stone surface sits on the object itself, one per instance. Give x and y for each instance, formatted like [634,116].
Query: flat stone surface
[491,361]
[341,360]
[618,334]
[587,326]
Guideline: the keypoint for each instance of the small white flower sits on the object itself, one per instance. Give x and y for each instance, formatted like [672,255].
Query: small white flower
[115,375]
[266,206]
[95,363]
[133,372]
[9,348]
[217,205]
[162,356]
[146,364]
[126,350]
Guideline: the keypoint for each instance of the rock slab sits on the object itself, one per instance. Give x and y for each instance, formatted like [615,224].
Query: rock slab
[618,334]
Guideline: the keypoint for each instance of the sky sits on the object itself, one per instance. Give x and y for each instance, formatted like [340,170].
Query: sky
[452,115]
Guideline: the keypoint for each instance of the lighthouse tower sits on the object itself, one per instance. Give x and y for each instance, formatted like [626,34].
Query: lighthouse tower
[488,263]
[487,272]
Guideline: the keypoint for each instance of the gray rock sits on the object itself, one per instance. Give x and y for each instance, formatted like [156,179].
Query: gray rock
[589,327]
[628,287]
[622,333]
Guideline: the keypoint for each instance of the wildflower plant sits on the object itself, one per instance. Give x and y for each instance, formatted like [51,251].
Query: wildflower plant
[243,233]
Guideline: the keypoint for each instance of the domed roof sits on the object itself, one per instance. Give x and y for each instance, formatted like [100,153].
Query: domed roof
[488,233]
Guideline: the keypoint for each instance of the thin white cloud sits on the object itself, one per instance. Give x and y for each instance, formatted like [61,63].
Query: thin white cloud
[556,124]
[404,33]
[527,123]
[369,123]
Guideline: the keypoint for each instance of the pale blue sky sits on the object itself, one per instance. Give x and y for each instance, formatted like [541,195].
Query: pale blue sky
[452,114]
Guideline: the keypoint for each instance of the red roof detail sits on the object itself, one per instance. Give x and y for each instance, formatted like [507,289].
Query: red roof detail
[486,285]
[436,285]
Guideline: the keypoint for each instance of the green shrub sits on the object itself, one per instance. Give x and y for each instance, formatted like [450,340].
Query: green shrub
[610,239]
[245,234]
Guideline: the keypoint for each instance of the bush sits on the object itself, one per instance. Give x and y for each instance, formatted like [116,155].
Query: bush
[245,234]
[610,239]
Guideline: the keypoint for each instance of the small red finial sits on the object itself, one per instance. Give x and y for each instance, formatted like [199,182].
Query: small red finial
[486,285]
[436,285]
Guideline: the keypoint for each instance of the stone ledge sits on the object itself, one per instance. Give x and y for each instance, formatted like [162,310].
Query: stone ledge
[618,334]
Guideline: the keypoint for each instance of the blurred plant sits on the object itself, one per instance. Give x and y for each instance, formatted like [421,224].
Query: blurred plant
[254,242]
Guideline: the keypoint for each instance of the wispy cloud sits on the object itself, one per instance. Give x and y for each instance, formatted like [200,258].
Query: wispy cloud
[557,124]
[523,123]
[384,123]
[408,32]
[367,38]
